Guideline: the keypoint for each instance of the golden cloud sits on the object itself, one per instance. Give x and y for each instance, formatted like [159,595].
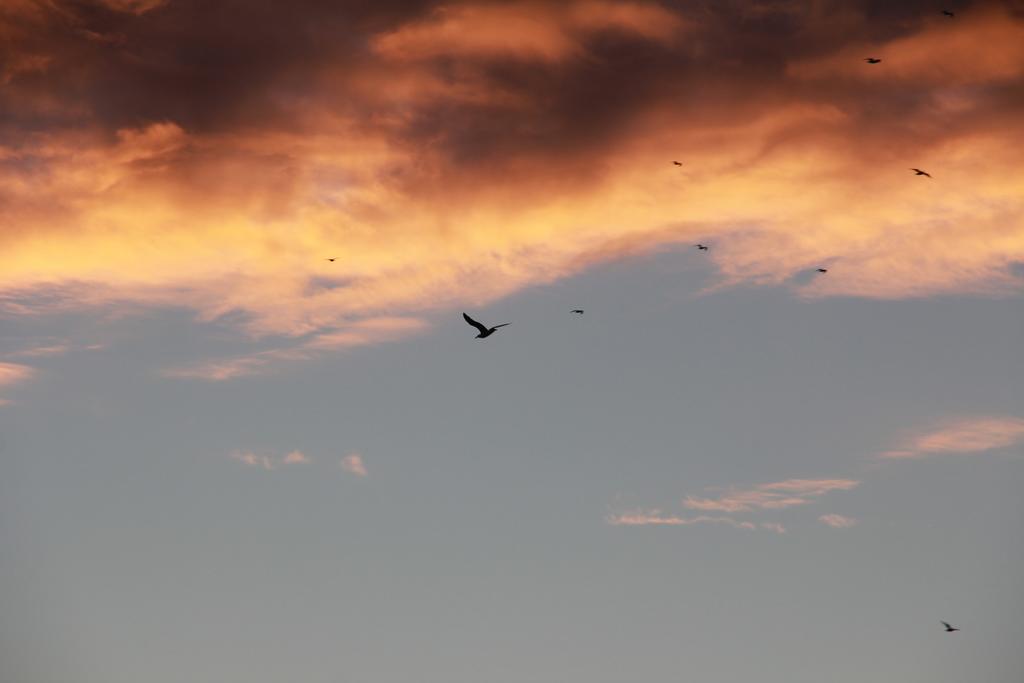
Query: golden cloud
[440,170]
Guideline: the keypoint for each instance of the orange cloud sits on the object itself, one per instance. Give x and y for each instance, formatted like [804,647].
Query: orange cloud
[979,47]
[773,496]
[447,167]
[528,30]
[964,436]
[353,464]
[837,521]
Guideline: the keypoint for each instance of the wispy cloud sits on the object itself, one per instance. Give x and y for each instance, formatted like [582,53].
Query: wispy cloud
[269,462]
[252,460]
[14,373]
[353,464]
[655,517]
[970,435]
[772,496]
[733,500]
[359,333]
[42,351]
[522,30]
[838,521]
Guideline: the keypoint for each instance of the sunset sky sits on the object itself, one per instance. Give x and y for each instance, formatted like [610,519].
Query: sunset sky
[225,458]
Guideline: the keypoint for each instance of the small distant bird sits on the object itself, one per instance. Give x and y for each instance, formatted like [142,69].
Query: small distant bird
[822,270]
[332,260]
[948,13]
[677,163]
[949,629]
[577,310]
[484,331]
[872,60]
[701,247]
[918,171]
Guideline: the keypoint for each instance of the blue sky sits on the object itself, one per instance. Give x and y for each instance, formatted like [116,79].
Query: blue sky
[224,457]
[479,543]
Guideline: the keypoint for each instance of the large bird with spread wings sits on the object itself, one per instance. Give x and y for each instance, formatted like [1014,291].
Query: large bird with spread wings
[484,331]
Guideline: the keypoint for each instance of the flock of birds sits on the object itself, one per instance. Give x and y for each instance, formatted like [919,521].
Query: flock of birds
[484,331]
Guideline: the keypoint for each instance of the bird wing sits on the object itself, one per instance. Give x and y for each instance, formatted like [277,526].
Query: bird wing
[501,325]
[945,624]
[475,323]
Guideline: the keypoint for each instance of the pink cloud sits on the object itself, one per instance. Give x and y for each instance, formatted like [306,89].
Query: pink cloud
[656,518]
[14,373]
[252,460]
[838,521]
[773,526]
[43,350]
[966,435]
[270,462]
[296,458]
[772,496]
[353,464]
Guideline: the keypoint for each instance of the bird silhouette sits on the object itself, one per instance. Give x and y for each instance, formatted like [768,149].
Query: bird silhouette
[577,310]
[822,270]
[872,60]
[484,331]
[677,163]
[918,171]
[949,629]
[948,13]
[332,260]
[701,247]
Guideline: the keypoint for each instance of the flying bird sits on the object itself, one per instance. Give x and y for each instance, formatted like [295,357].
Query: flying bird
[949,629]
[484,331]
[677,163]
[577,310]
[701,247]
[872,60]
[332,260]
[822,270]
[918,171]
[948,13]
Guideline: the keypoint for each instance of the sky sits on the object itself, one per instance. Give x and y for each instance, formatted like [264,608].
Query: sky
[246,436]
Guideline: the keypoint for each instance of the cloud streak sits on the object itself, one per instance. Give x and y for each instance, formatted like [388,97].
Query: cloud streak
[14,373]
[773,496]
[270,462]
[965,436]
[656,518]
[359,333]
[837,521]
